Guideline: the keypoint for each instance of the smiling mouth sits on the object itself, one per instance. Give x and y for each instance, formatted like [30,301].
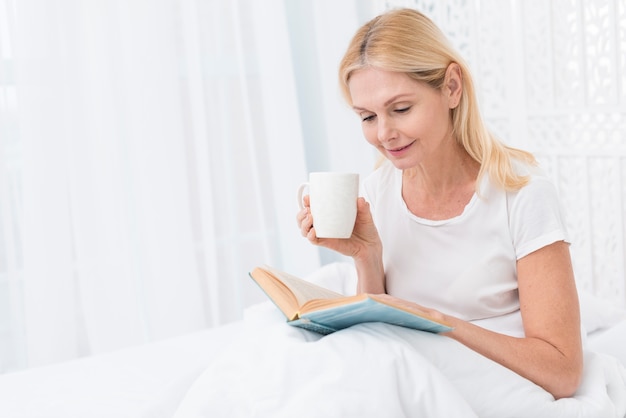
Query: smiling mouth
[398,150]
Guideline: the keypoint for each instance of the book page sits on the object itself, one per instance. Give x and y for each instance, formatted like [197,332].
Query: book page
[303,290]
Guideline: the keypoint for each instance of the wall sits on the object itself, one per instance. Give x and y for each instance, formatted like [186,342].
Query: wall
[551,76]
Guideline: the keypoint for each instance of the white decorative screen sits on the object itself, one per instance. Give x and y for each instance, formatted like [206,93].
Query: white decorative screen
[551,75]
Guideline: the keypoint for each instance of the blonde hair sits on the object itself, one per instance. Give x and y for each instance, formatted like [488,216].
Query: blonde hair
[405,40]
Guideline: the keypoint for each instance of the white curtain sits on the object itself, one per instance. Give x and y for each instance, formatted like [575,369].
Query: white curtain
[149,157]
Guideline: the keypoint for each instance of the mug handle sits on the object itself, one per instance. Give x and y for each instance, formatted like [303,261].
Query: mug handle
[300,195]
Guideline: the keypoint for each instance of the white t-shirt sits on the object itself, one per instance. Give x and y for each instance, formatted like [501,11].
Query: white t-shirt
[464,266]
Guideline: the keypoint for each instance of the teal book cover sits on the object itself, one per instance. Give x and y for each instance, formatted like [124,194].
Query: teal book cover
[326,321]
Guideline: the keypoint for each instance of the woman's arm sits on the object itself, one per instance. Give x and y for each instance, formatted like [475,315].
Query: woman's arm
[550,355]
[370,271]
[364,246]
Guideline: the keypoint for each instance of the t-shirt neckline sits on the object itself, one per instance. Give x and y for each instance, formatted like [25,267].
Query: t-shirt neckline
[426,221]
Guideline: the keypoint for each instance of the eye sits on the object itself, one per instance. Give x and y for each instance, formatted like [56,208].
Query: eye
[367,118]
[403,109]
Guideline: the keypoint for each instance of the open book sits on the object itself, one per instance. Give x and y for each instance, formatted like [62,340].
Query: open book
[315,308]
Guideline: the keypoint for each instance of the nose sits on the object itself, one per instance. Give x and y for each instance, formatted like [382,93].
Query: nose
[386,130]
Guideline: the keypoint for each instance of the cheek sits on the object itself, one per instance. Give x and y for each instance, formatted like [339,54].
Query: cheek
[428,124]
[370,134]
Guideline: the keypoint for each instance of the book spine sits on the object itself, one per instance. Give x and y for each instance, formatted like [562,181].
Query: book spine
[312,326]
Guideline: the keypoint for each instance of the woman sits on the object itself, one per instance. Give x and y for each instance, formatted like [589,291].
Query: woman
[454,223]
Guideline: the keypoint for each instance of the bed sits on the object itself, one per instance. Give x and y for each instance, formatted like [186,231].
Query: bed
[261,367]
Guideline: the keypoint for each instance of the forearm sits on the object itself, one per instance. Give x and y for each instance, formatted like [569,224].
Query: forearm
[558,371]
[370,271]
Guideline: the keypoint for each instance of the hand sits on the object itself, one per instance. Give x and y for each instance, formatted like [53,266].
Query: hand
[363,241]
[415,308]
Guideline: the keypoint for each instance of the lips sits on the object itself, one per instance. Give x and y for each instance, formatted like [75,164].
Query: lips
[399,150]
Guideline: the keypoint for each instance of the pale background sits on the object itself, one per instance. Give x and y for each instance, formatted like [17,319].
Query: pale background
[150,150]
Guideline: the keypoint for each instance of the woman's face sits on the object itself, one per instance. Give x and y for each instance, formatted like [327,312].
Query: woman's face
[406,120]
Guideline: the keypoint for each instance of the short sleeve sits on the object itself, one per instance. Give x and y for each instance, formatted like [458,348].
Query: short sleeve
[535,216]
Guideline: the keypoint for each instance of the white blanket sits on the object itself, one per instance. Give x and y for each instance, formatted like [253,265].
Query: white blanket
[376,370]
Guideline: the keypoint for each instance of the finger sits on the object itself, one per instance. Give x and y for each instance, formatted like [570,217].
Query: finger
[301,215]
[306,224]
[311,236]
[364,215]
[362,205]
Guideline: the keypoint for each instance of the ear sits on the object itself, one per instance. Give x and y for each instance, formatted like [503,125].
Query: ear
[453,85]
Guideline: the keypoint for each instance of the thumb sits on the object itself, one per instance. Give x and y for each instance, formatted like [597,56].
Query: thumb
[363,208]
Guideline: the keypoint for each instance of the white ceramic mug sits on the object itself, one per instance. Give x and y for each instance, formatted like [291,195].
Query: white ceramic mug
[333,199]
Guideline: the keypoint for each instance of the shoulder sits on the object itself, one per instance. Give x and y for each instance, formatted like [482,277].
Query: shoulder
[535,216]
[540,186]
[379,181]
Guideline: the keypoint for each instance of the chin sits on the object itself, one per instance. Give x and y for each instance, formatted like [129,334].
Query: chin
[401,163]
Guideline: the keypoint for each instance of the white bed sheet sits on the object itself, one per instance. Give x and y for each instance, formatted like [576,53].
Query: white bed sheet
[374,370]
[125,383]
[151,381]
[611,341]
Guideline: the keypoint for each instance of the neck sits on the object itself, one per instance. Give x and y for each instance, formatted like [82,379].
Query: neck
[441,176]
[442,190]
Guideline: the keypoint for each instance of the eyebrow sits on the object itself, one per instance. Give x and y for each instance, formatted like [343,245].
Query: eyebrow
[387,103]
